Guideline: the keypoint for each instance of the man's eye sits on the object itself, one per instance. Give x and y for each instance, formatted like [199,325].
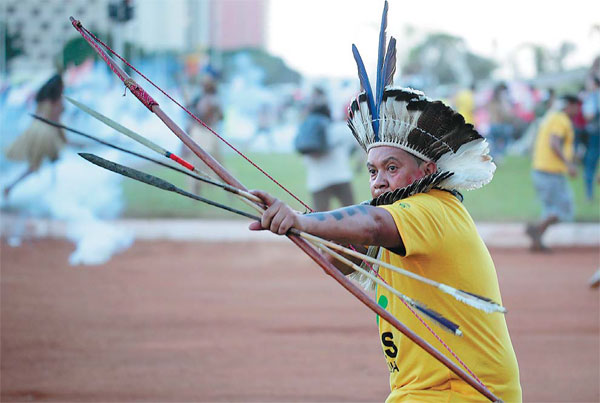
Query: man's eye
[392,168]
[372,172]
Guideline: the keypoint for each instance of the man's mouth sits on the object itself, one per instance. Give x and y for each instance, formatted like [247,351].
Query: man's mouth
[379,192]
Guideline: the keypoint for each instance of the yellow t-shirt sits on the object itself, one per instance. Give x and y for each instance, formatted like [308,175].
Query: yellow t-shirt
[544,158]
[443,244]
[465,104]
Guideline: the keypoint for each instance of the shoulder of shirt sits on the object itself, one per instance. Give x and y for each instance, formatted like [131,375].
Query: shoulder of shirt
[433,194]
[559,115]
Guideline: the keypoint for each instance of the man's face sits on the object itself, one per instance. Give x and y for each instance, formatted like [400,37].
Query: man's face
[572,109]
[391,168]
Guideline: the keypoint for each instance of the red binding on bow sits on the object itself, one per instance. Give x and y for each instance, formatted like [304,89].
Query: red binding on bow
[314,254]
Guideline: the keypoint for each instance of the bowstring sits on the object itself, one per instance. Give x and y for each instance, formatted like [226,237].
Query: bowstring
[283,188]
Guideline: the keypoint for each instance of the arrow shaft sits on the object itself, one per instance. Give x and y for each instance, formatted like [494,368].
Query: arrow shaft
[157,182]
[200,177]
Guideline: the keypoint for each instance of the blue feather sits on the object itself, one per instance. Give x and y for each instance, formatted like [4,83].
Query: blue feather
[380,77]
[364,82]
[440,320]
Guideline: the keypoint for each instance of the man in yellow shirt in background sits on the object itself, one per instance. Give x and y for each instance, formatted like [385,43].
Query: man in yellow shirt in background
[552,161]
[464,103]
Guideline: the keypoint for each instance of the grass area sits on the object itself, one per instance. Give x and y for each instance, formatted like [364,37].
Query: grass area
[509,197]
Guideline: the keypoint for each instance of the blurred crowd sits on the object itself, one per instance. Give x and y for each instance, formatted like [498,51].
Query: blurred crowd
[255,117]
[509,115]
[558,129]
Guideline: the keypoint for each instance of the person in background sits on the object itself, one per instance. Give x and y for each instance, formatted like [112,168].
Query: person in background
[501,129]
[329,173]
[594,280]
[40,141]
[552,160]
[464,101]
[591,112]
[545,104]
[207,107]
[579,126]
[264,120]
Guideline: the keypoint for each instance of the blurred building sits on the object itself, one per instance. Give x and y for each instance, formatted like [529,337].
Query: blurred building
[225,25]
[237,24]
[43,27]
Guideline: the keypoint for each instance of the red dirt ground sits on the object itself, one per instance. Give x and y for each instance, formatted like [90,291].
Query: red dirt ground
[254,322]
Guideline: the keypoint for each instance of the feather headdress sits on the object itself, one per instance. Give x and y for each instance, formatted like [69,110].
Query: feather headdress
[405,118]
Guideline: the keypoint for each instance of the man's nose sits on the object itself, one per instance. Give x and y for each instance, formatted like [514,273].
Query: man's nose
[380,181]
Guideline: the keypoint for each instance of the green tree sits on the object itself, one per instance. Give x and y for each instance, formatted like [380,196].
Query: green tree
[444,59]
[481,67]
[565,49]
[76,51]
[275,69]
[541,58]
[12,43]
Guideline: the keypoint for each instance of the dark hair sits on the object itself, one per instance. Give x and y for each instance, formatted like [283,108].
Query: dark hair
[319,90]
[499,88]
[51,90]
[321,109]
[570,98]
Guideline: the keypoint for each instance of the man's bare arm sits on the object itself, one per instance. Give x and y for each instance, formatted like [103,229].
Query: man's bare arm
[343,267]
[362,225]
[556,143]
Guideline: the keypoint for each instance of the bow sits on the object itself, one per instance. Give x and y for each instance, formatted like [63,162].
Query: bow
[307,248]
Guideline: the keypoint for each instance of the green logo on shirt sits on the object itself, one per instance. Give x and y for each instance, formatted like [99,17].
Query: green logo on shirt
[404,205]
[383,302]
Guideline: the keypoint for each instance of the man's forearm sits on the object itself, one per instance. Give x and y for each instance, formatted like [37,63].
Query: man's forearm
[359,224]
[556,143]
[363,225]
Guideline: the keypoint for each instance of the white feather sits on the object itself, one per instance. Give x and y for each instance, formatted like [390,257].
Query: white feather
[471,164]
[471,300]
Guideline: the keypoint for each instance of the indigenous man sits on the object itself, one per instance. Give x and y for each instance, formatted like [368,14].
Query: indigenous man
[419,155]
[418,219]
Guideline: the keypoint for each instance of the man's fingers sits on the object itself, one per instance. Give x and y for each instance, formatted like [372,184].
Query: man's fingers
[279,214]
[255,226]
[270,214]
[286,224]
[266,218]
[278,218]
[267,199]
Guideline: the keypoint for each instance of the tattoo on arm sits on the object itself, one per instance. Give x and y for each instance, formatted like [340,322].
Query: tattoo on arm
[318,216]
[337,215]
[340,213]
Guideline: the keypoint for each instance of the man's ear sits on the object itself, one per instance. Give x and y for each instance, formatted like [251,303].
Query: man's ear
[430,167]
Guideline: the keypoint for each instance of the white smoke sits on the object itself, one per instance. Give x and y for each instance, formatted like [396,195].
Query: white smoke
[83,196]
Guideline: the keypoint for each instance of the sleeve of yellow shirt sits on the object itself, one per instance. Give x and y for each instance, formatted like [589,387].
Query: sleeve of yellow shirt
[419,229]
[558,126]
[544,157]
